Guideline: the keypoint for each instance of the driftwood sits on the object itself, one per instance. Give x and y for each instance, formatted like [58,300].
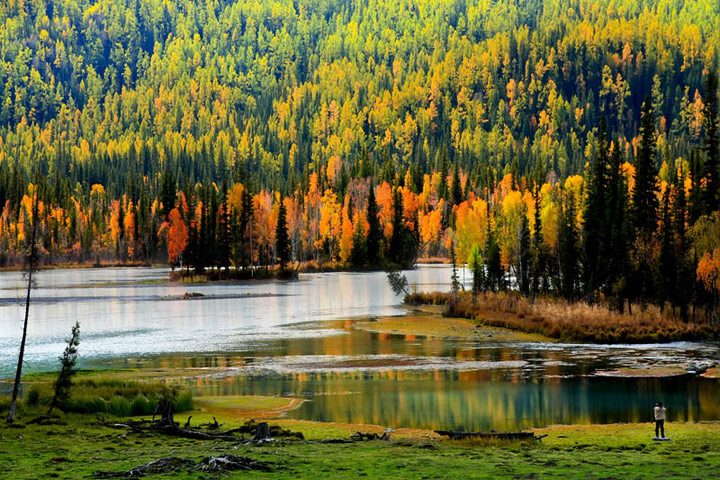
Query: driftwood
[359,436]
[262,432]
[221,463]
[227,463]
[214,425]
[459,435]
[162,465]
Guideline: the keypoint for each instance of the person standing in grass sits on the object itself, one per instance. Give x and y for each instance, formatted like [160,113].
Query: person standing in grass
[659,417]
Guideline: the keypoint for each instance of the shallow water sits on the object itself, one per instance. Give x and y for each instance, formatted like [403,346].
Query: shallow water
[274,339]
[136,311]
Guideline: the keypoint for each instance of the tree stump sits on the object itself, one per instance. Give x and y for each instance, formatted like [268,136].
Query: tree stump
[262,432]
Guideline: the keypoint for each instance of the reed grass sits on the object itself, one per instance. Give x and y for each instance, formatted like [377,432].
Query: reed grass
[570,321]
[113,397]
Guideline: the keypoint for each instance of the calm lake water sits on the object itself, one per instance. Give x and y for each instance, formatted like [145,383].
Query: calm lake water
[278,339]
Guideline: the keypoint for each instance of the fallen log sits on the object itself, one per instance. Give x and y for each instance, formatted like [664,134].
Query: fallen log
[460,435]
[218,464]
[360,436]
[162,465]
[262,432]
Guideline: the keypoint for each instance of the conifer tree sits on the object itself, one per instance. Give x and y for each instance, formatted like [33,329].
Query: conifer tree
[456,196]
[247,215]
[168,191]
[374,237]
[645,206]
[594,220]
[443,187]
[665,268]
[644,199]
[282,238]
[685,268]
[568,250]
[455,280]
[63,383]
[617,231]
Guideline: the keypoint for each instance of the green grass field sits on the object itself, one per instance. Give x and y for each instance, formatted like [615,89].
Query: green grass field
[80,445]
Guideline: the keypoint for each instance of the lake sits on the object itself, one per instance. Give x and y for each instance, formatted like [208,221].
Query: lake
[297,339]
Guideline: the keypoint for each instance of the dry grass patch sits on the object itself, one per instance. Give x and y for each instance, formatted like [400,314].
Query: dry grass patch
[563,320]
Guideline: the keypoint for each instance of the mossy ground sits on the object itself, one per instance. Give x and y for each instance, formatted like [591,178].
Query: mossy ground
[82,445]
[426,321]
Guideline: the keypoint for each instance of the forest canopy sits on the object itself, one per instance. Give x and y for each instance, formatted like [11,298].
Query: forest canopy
[541,139]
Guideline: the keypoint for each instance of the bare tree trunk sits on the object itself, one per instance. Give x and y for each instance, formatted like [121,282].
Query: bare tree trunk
[31,268]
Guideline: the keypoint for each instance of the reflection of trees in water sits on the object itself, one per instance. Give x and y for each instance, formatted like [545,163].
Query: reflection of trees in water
[475,399]
[546,391]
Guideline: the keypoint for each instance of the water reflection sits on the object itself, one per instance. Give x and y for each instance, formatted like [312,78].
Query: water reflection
[400,381]
[274,339]
[136,311]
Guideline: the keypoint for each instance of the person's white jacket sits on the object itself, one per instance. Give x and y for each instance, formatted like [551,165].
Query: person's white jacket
[659,413]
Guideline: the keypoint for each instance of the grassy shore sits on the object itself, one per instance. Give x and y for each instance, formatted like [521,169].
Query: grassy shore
[77,446]
[566,321]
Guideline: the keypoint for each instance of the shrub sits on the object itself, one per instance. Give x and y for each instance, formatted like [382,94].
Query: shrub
[141,406]
[81,404]
[33,397]
[184,403]
[118,406]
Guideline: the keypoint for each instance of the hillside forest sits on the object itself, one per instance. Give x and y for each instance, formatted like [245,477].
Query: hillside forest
[559,147]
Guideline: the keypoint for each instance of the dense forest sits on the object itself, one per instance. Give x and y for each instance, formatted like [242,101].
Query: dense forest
[569,147]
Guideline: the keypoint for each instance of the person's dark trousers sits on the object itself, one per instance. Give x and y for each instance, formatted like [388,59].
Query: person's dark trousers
[660,428]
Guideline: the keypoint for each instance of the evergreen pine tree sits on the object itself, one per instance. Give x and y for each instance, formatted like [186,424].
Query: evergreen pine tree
[168,192]
[443,187]
[282,238]
[455,280]
[63,383]
[375,234]
[644,198]
[456,196]
[594,219]
[617,231]
[685,271]
[665,267]
[539,252]
[247,216]
[568,251]
[645,206]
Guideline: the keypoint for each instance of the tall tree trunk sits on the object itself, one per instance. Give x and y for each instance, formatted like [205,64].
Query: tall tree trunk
[31,269]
